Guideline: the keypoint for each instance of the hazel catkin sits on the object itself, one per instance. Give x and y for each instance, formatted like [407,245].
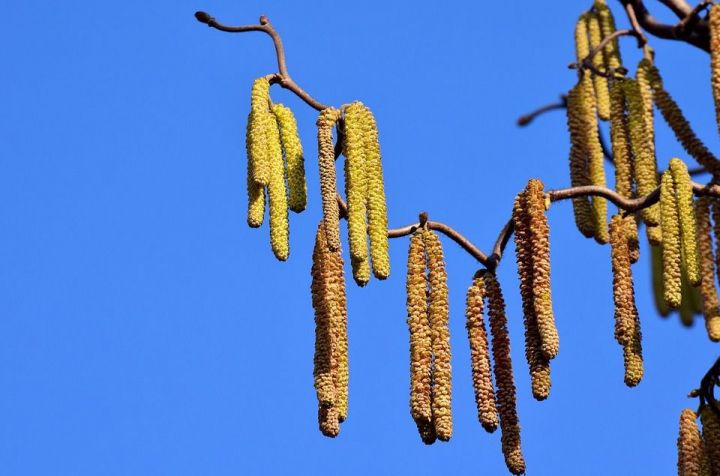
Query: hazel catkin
[355,180]
[620,141]
[328,187]
[611,51]
[671,248]
[711,437]
[711,306]
[623,289]
[600,83]
[294,159]
[277,192]
[256,139]
[255,190]
[504,380]
[692,459]
[686,215]
[480,356]
[578,160]
[714,23]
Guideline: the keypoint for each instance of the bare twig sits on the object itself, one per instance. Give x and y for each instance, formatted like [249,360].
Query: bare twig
[529,117]
[640,18]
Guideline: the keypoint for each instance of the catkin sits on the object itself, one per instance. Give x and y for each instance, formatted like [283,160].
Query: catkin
[711,437]
[643,153]
[716,232]
[538,364]
[671,242]
[657,281]
[480,356]
[328,188]
[686,214]
[714,22]
[277,192]
[420,338]
[582,42]
[642,76]
[329,421]
[711,306]
[681,127]
[355,180]
[256,139]
[438,313]
[256,191]
[294,158]
[631,234]
[600,82]
[620,141]
[504,381]
[339,328]
[611,50]
[692,459]
[623,289]
[632,356]
[376,203]
[578,160]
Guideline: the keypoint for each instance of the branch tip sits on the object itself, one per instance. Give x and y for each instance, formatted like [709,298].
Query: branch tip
[203,17]
[264,20]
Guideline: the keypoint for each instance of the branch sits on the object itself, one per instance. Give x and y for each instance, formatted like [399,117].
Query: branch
[529,117]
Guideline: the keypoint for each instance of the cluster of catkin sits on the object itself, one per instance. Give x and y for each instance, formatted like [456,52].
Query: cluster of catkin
[275,166]
[331,345]
[532,250]
[428,316]
[699,453]
[493,406]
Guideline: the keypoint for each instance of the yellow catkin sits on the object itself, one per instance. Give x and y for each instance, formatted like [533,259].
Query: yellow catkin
[711,306]
[654,234]
[438,312]
[504,380]
[538,364]
[578,160]
[657,281]
[642,76]
[631,234]
[540,245]
[692,459]
[714,22]
[420,338]
[681,127]
[328,185]
[711,437]
[716,232]
[686,214]
[294,158]
[480,356]
[600,82]
[376,203]
[324,337]
[277,192]
[256,191]
[582,42]
[256,140]
[355,180]
[620,140]
[645,165]
[360,271]
[671,243]
[611,50]
[689,301]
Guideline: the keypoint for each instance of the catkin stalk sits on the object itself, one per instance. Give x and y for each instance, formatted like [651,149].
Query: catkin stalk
[328,185]
[480,356]
[714,22]
[686,214]
[711,306]
[578,160]
[504,381]
[294,159]
[671,248]
[692,459]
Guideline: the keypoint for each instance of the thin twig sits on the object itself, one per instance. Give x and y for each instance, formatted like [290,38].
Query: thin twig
[529,117]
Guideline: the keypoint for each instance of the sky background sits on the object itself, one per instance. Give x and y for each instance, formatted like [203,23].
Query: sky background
[146,330]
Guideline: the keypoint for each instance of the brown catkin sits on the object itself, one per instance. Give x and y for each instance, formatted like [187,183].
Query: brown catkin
[324,338]
[341,371]
[600,83]
[328,187]
[578,160]
[711,306]
[420,338]
[376,202]
[686,215]
[681,127]
[671,242]
[711,437]
[438,313]
[294,158]
[540,245]
[538,364]
[623,289]
[714,22]
[692,459]
[504,380]
[632,356]
[715,207]
[480,356]
[329,421]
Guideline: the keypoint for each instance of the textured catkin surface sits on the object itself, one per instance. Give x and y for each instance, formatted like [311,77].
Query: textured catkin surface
[420,339]
[619,137]
[328,185]
[708,290]
[623,291]
[692,459]
[714,22]
[324,338]
[611,51]
[294,158]
[686,215]
[256,140]
[277,192]
[642,76]
[582,41]
[438,312]
[355,180]
[538,364]
[711,437]
[600,83]
[579,175]
[504,380]
[376,202]
[480,356]
[256,191]
[671,248]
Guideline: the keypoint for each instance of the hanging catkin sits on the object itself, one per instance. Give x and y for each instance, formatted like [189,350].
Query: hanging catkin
[715,207]
[277,192]
[582,41]
[539,365]
[480,355]
[711,437]
[504,380]
[600,82]
[714,22]
[692,459]
[438,313]
[671,246]
[328,188]
[620,141]
[355,180]
[623,289]
[323,373]
[376,204]
[632,356]
[611,51]
[294,159]
[642,76]
[631,234]
[711,306]
[578,160]
[258,122]
[686,215]
[657,281]
[420,338]
[256,191]
[681,127]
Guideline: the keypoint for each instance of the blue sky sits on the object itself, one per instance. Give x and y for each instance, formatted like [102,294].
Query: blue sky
[146,330]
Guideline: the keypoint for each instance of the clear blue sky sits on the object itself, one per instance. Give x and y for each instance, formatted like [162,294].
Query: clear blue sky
[146,330]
